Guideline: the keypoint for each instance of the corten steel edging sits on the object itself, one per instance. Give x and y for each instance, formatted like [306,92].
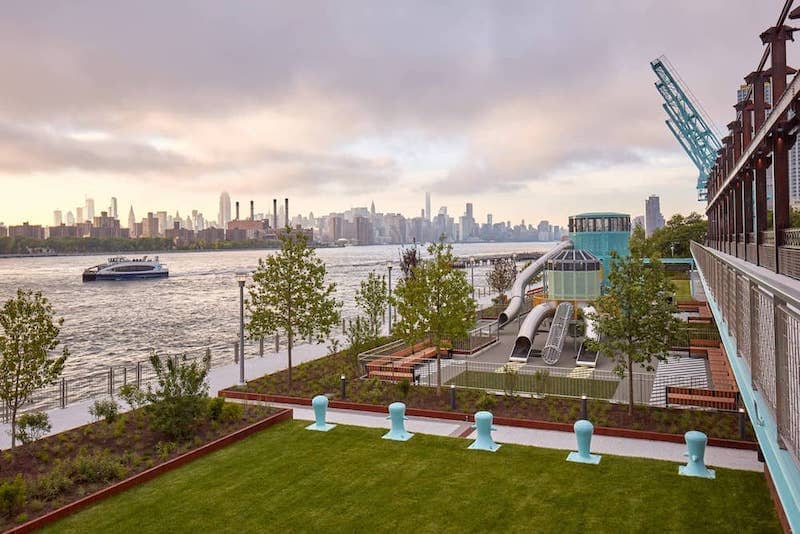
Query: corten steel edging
[500,420]
[769,124]
[140,478]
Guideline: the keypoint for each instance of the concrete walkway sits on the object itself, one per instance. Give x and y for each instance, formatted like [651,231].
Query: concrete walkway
[550,439]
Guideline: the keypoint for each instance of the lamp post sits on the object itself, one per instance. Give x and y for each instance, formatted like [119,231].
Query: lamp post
[389,266]
[472,274]
[241,277]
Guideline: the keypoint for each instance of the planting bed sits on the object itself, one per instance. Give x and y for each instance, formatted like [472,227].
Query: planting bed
[322,376]
[65,467]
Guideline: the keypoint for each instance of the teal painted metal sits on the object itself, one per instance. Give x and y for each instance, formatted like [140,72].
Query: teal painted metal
[784,472]
[397,414]
[484,428]
[320,406]
[696,451]
[601,234]
[583,433]
[687,121]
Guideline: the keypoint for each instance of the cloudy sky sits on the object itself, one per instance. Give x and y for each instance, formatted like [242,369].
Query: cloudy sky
[530,110]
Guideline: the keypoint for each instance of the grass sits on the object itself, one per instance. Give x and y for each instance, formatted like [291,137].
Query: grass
[554,385]
[287,479]
[683,290]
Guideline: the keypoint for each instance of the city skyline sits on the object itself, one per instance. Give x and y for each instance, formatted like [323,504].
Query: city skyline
[475,119]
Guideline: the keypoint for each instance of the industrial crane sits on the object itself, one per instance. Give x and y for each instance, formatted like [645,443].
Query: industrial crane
[687,121]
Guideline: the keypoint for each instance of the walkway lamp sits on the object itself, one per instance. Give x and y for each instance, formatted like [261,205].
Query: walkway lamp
[389,266]
[241,277]
[472,274]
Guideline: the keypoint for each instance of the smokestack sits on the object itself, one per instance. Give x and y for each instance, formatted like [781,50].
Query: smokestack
[286,211]
[274,213]
[252,212]
[237,210]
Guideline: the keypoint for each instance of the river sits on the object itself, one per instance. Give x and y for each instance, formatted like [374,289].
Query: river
[114,323]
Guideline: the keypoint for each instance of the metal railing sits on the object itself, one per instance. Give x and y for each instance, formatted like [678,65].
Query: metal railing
[479,337]
[761,314]
[790,237]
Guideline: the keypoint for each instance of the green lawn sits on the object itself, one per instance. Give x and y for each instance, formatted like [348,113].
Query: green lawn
[683,290]
[553,385]
[287,479]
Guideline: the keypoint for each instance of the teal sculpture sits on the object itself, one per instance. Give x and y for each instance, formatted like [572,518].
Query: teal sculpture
[320,405]
[583,433]
[397,414]
[483,426]
[696,445]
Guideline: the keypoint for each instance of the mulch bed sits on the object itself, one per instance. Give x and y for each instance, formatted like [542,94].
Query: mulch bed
[65,467]
[322,376]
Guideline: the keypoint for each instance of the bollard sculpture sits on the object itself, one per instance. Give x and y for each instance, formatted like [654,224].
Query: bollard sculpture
[583,433]
[483,426]
[696,445]
[397,414]
[320,405]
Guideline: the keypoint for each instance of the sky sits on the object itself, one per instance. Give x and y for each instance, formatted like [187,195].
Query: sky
[529,110]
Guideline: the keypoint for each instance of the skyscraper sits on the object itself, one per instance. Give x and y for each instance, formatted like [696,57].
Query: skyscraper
[70,219]
[224,215]
[428,206]
[89,209]
[79,215]
[113,208]
[653,220]
[57,218]
[132,223]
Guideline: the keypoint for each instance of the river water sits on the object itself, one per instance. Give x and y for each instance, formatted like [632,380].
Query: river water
[114,323]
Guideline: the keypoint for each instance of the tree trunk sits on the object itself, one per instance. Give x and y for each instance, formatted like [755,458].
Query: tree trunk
[630,386]
[438,372]
[13,428]
[290,336]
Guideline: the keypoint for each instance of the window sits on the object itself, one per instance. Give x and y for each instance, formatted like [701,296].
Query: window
[132,268]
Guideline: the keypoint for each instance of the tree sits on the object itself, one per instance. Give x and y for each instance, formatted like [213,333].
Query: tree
[289,295]
[180,399]
[372,298]
[674,238]
[501,277]
[29,334]
[635,321]
[409,259]
[435,300]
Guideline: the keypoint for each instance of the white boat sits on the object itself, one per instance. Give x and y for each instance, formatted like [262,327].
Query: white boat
[124,269]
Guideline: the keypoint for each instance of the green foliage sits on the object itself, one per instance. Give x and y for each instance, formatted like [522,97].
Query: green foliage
[52,484]
[32,426]
[509,380]
[403,387]
[12,496]
[435,300]
[372,297]
[289,295]
[108,410]
[165,448]
[231,412]
[180,399]
[635,318]
[486,401]
[133,396]
[215,406]
[29,334]
[540,378]
[359,335]
[501,277]
[98,467]
[674,238]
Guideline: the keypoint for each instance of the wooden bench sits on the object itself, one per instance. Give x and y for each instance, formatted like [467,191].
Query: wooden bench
[402,353]
[404,365]
[392,376]
[703,398]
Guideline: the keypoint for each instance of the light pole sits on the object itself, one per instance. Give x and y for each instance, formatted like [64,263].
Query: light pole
[472,274]
[241,277]
[389,266]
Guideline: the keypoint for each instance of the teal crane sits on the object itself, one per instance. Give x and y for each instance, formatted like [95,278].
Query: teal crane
[687,121]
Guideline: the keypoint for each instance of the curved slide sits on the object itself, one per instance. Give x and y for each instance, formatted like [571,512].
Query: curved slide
[524,343]
[521,282]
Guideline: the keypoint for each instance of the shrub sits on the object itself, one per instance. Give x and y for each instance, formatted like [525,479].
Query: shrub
[231,412]
[486,401]
[134,397]
[32,426]
[165,448]
[100,467]
[215,406]
[404,386]
[509,379]
[108,410]
[12,496]
[180,399]
[52,484]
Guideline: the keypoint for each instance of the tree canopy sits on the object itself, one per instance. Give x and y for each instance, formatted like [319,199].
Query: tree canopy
[372,297]
[289,295]
[501,276]
[674,238]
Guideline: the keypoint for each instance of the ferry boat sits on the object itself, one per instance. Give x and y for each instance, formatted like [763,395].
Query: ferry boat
[124,269]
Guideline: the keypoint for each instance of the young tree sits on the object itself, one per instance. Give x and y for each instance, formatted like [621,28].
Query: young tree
[409,259]
[180,399]
[501,277]
[372,298]
[635,318]
[289,295]
[435,299]
[29,333]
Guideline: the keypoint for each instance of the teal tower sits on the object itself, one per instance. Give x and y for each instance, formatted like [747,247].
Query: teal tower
[601,233]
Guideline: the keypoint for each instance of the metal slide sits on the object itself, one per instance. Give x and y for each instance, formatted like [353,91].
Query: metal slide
[521,282]
[524,343]
[558,331]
